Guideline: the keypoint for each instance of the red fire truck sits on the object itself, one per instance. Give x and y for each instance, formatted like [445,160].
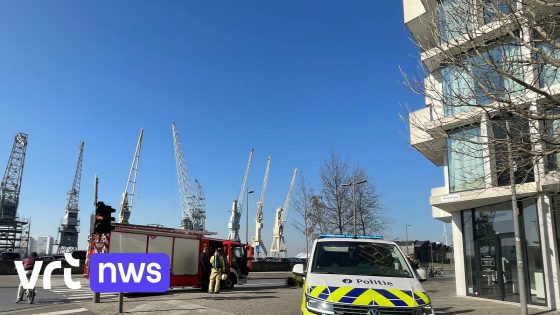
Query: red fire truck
[182,246]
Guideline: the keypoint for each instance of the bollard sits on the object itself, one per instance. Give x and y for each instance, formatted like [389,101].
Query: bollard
[96,297]
[121,302]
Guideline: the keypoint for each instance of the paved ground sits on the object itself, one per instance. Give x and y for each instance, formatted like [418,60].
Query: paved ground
[442,293]
[265,293]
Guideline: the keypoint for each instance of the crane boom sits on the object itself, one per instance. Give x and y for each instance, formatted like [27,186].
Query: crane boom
[278,246]
[200,198]
[288,197]
[67,239]
[237,206]
[192,219]
[243,190]
[257,240]
[11,183]
[127,200]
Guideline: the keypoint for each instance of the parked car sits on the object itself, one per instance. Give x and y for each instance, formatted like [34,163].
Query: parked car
[58,256]
[79,254]
[295,260]
[47,259]
[10,256]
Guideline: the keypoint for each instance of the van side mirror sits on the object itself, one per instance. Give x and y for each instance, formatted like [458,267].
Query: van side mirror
[422,274]
[298,270]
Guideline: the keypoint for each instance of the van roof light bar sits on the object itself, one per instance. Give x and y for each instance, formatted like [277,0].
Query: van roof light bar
[369,237]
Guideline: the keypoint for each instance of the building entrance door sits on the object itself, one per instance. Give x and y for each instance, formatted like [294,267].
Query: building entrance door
[488,252]
[498,267]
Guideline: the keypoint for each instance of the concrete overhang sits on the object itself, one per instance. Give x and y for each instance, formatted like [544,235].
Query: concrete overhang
[477,198]
[418,18]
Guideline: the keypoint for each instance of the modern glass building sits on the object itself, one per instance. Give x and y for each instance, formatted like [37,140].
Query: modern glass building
[476,197]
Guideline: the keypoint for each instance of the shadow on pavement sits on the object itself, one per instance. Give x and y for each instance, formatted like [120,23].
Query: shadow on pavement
[167,310]
[235,298]
[445,311]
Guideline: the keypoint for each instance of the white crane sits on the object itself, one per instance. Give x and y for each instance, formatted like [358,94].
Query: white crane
[278,246]
[237,206]
[257,239]
[127,200]
[193,218]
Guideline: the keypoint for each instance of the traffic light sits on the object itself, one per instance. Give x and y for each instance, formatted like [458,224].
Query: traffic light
[103,218]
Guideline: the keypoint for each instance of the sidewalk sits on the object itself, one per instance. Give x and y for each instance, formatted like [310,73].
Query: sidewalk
[446,302]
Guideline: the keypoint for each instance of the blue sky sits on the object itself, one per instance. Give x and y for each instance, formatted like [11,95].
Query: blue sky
[293,79]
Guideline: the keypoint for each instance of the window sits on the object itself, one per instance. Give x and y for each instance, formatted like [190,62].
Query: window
[478,81]
[493,9]
[490,254]
[523,162]
[552,140]
[490,85]
[465,164]
[458,90]
[470,254]
[452,21]
[534,254]
[360,258]
[548,74]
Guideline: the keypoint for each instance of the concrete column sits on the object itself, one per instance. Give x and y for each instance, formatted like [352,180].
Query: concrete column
[549,250]
[458,254]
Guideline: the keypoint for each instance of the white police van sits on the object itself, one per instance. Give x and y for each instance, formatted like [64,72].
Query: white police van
[360,275]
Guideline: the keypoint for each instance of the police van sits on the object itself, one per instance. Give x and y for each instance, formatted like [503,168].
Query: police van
[360,275]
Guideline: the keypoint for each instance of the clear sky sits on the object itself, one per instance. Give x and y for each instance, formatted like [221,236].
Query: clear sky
[293,79]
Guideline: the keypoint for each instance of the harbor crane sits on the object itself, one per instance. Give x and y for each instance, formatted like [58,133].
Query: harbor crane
[11,183]
[193,217]
[68,231]
[237,206]
[257,239]
[278,247]
[200,198]
[11,227]
[127,200]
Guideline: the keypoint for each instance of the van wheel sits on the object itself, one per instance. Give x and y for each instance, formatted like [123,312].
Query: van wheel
[231,281]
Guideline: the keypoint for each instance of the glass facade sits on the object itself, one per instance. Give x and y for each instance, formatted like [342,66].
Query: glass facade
[478,81]
[490,254]
[455,18]
[548,74]
[464,157]
[470,256]
[523,170]
[493,9]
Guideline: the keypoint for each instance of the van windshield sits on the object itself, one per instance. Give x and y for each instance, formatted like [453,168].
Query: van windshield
[360,258]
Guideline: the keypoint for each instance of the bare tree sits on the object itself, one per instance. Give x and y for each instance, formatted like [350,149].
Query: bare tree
[335,198]
[331,211]
[306,222]
[369,211]
[489,75]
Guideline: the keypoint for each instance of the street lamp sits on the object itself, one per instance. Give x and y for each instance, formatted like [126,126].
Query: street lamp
[353,184]
[406,232]
[247,218]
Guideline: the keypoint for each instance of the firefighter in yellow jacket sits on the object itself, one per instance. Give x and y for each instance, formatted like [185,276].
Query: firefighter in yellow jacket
[218,266]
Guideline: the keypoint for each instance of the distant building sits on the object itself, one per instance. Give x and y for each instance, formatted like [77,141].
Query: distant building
[45,245]
[427,252]
[31,245]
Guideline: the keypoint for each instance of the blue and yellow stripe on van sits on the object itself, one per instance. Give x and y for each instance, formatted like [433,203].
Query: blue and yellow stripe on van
[366,296]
